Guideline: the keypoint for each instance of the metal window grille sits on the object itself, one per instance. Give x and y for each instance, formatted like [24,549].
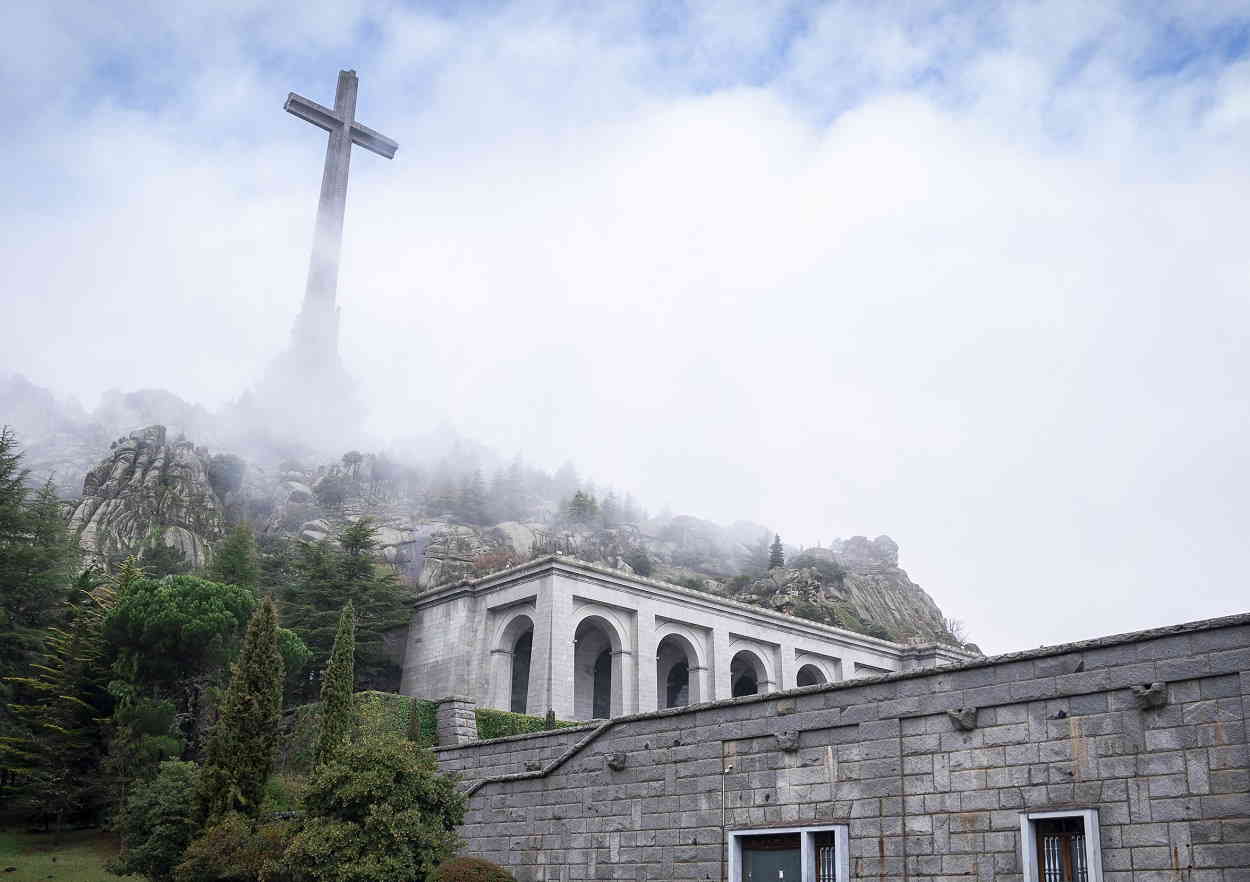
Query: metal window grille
[826,869]
[826,866]
[1061,850]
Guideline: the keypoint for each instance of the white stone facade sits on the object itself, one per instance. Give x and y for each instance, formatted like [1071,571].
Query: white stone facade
[588,642]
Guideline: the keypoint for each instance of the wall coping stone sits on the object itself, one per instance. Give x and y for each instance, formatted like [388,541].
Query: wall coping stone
[460,698]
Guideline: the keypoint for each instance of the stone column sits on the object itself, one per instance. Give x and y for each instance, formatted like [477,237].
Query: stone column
[624,678]
[721,686]
[647,690]
[701,679]
[500,690]
[456,723]
[787,671]
[551,664]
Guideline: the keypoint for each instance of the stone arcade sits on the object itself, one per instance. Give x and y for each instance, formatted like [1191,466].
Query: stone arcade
[591,643]
[1105,761]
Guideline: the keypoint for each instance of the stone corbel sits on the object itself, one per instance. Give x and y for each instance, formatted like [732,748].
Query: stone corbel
[964,718]
[616,761]
[1150,695]
[787,741]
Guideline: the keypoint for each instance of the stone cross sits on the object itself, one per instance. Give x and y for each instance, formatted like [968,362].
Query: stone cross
[317,330]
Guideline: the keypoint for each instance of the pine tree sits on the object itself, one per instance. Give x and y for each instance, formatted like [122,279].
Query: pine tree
[776,553]
[630,512]
[610,510]
[336,688]
[471,505]
[513,500]
[52,756]
[37,564]
[235,562]
[582,508]
[159,559]
[240,750]
[325,578]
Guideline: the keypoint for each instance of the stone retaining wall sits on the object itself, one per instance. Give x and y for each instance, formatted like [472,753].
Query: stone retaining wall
[930,771]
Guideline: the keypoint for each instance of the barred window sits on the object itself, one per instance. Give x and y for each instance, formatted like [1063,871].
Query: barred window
[789,854]
[1061,846]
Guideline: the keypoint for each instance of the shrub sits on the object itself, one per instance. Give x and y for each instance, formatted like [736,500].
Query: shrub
[234,850]
[400,715]
[640,563]
[378,810]
[284,792]
[830,571]
[500,724]
[471,869]
[158,822]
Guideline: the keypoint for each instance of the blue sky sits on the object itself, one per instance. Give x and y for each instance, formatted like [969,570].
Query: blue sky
[970,274]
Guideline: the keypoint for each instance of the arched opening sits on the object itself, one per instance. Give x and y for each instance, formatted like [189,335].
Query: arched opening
[601,701]
[746,674]
[521,651]
[810,675]
[676,665]
[594,687]
[677,685]
[511,657]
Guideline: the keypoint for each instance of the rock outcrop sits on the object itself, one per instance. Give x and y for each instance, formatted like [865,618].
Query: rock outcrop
[856,584]
[149,490]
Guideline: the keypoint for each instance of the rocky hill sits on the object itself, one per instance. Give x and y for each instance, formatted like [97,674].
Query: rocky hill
[446,509]
[149,488]
[856,584]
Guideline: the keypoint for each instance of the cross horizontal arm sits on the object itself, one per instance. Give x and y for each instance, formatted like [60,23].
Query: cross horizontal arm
[311,111]
[367,138]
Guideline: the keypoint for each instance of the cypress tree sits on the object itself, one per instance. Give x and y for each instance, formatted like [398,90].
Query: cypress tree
[776,553]
[336,688]
[240,750]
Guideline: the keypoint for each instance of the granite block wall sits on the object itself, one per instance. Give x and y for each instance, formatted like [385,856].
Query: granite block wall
[929,770]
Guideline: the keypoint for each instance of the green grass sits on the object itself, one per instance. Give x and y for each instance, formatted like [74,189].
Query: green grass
[80,857]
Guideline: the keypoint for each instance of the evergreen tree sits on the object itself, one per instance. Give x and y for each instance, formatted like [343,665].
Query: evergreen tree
[326,577]
[235,562]
[582,508]
[166,634]
[630,513]
[610,510]
[337,687]
[471,506]
[378,810]
[776,553]
[140,731]
[240,750]
[52,759]
[37,563]
[513,501]
[565,481]
[159,559]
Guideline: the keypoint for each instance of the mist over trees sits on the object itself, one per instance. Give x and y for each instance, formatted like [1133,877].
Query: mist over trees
[150,699]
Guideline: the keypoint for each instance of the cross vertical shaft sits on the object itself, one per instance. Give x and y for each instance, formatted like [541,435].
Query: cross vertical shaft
[316,333]
[323,271]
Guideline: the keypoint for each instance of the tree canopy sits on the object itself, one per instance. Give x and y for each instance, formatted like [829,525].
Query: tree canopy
[324,579]
[166,630]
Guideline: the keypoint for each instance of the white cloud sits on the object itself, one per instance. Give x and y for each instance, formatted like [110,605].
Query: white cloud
[995,314]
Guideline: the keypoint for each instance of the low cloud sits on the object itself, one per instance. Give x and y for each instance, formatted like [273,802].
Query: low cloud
[973,280]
